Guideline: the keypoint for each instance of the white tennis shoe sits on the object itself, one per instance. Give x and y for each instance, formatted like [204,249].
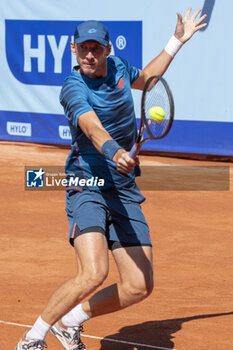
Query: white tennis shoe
[70,337]
[31,345]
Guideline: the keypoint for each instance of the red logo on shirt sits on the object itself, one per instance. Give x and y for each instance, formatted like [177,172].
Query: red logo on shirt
[120,83]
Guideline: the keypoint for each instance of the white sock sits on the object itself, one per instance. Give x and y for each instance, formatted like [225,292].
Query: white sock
[38,331]
[75,317]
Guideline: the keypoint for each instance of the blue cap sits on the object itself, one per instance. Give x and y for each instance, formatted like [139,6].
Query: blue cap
[91,30]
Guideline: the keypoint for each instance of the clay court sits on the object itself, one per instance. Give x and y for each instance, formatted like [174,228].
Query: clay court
[191,306]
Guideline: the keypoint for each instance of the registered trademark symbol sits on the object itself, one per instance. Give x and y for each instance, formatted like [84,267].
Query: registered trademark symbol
[120,42]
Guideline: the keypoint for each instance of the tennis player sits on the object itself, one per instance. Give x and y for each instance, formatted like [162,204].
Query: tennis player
[103,213]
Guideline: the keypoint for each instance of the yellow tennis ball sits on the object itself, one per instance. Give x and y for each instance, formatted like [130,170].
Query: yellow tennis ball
[157,113]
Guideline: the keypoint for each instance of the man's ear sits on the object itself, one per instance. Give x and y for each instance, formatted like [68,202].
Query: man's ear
[109,48]
[73,48]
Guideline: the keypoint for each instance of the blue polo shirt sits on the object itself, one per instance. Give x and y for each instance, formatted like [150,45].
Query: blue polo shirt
[111,99]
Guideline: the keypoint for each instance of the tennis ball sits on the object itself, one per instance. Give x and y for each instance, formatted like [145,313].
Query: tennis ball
[157,113]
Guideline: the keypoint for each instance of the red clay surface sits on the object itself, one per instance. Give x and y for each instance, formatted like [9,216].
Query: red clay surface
[191,306]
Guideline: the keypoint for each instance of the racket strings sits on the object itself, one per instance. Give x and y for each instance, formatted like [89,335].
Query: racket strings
[156,96]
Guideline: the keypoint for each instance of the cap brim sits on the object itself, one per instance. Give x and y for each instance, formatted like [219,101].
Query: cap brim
[81,40]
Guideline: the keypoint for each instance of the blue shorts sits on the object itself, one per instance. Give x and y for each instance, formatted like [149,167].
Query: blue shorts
[115,213]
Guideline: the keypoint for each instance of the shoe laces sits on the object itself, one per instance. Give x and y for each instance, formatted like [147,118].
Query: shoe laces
[76,337]
[38,344]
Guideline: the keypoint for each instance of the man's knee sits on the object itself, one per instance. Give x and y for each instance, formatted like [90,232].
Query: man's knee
[139,290]
[96,277]
[91,279]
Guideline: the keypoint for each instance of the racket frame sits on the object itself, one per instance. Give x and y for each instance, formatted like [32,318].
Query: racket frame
[143,121]
[143,112]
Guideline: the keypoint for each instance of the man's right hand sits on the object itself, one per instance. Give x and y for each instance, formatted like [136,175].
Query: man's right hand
[125,164]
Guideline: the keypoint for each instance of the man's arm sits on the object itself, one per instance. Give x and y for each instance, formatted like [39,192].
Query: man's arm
[185,28]
[94,130]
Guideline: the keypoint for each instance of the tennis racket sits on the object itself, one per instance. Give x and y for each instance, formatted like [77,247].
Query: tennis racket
[156,93]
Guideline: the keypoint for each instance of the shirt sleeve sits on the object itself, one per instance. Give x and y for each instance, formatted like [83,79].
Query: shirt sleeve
[132,71]
[74,99]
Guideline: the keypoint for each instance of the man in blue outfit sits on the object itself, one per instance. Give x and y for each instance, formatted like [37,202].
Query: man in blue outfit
[105,215]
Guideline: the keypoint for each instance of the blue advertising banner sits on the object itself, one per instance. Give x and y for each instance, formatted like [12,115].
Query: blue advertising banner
[45,128]
[35,59]
[30,127]
[43,48]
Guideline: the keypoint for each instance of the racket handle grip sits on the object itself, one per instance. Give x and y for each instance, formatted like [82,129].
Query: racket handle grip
[134,151]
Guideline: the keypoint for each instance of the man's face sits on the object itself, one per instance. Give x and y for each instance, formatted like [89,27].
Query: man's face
[91,57]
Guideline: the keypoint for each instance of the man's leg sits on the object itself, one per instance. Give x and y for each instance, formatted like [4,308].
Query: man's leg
[92,251]
[136,283]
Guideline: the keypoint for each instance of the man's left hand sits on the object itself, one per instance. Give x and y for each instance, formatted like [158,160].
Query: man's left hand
[185,27]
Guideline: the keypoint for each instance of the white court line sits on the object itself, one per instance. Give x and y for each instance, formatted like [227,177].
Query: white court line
[99,338]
